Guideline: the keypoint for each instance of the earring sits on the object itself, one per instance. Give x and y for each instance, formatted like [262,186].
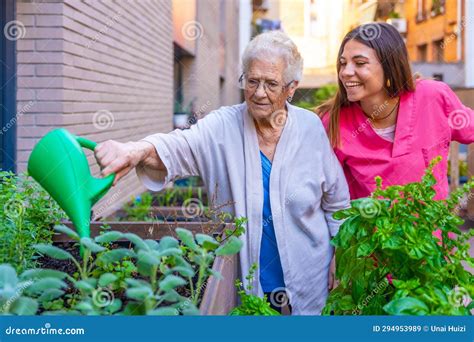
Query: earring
[389,83]
[289,98]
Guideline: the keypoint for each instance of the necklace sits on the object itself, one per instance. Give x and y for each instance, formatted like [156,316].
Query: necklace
[378,119]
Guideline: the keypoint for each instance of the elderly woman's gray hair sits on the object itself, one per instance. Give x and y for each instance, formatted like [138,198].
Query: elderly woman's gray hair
[275,44]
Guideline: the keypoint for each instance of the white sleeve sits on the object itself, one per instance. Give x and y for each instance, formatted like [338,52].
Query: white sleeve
[181,151]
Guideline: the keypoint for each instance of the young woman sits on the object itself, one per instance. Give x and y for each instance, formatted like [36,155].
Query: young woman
[384,122]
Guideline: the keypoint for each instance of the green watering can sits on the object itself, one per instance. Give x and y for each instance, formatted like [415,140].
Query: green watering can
[60,165]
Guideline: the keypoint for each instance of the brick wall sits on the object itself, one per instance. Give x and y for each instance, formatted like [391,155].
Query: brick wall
[101,69]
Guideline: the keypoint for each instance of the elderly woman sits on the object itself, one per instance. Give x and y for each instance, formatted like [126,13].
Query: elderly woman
[266,160]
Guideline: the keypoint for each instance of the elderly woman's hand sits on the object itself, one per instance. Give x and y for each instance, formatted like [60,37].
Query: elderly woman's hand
[121,158]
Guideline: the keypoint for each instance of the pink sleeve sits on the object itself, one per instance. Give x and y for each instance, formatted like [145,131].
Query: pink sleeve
[460,117]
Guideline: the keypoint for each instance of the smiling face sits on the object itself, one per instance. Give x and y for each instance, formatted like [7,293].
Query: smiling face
[361,72]
[262,104]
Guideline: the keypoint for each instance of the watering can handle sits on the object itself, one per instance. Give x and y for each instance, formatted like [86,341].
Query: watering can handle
[86,143]
[102,184]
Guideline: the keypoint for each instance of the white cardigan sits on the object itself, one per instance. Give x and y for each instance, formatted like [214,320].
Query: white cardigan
[307,185]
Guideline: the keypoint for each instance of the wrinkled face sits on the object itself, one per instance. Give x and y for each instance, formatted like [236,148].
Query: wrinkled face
[263,103]
[361,72]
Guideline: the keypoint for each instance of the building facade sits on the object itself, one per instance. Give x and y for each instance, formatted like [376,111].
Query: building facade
[106,70]
[437,39]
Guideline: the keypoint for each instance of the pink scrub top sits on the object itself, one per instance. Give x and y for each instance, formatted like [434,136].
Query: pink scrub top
[429,118]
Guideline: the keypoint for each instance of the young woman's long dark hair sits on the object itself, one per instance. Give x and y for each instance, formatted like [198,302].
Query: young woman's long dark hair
[392,54]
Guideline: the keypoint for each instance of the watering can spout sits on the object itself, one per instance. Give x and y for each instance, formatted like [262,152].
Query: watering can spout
[98,187]
[59,164]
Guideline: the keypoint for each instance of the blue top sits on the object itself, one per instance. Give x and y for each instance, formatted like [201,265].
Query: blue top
[271,272]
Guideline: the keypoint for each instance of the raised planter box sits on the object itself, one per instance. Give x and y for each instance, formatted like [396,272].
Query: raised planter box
[199,192]
[220,296]
[169,214]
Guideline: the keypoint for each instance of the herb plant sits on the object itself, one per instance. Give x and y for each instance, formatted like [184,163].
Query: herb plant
[27,217]
[148,285]
[389,261]
[251,305]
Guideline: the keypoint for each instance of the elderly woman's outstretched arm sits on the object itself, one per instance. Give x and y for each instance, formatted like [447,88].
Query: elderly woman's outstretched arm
[159,158]
[121,158]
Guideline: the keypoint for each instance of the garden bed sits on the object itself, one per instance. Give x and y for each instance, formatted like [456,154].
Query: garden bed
[220,295]
[173,214]
[182,204]
[150,230]
[177,196]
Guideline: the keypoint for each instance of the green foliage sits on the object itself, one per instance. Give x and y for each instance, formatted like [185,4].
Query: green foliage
[251,305]
[148,276]
[176,196]
[319,96]
[139,209]
[390,236]
[26,218]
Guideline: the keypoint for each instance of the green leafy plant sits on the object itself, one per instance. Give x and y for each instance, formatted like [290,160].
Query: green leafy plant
[27,217]
[251,305]
[167,198]
[147,276]
[139,208]
[122,270]
[176,196]
[389,261]
[168,265]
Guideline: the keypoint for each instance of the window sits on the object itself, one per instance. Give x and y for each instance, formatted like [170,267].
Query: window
[422,53]
[438,51]
[421,10]
[438,77]
[438,7]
